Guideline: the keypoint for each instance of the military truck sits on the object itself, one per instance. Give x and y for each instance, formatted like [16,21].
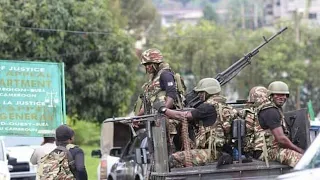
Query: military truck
[150,160]
[141,160]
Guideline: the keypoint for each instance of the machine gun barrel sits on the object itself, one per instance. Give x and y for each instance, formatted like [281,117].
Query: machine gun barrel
[228,74]
[192,99]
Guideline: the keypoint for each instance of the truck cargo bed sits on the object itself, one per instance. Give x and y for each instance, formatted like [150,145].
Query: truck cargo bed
[253,170]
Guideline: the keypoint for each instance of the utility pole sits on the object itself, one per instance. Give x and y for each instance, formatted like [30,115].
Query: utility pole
[297,19]
[255,14]
[243,15]
[306,11]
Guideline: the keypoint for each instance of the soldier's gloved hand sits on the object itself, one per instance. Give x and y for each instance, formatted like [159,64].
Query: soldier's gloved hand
[159,106]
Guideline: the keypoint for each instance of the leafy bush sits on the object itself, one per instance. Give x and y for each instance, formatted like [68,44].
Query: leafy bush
[86,133]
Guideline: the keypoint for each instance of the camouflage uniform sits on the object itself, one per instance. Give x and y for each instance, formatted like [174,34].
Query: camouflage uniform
[199,157]
[153,91]
[275,152]
[257,96]
[218,134]
[209,140]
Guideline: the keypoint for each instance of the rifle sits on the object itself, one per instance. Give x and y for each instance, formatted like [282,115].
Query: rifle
[192,99]
[149,117]
[148,111]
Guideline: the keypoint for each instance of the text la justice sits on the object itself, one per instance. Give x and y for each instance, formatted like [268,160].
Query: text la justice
[26,69]
[25,103]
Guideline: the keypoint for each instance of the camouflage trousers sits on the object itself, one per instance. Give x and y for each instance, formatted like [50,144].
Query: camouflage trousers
[199,157]
[284,156]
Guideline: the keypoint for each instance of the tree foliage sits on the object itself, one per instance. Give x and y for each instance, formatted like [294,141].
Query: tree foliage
[140,14]
[99,57]
[200,49]
[209,13]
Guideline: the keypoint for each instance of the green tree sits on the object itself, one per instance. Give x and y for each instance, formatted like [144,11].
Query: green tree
[209,13]
[200,49]
[140,14]
[99,56]
[311,88]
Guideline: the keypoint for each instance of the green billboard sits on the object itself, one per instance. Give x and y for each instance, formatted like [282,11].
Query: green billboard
[32,98]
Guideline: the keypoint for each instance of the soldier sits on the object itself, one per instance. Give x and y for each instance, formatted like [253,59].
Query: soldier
[275,133]
[257,96]
[161,86]
[214,120]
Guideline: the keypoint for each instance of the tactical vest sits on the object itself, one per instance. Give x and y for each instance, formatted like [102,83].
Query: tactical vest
[152,88]
[250,116]
[261,133]
[215,136]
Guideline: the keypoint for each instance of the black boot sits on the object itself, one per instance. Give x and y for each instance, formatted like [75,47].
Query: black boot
[225,158]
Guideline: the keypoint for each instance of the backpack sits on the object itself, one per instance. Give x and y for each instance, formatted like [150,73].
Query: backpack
[181,89]
[58,164]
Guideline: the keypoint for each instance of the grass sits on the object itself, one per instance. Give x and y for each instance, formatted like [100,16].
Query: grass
[91,163]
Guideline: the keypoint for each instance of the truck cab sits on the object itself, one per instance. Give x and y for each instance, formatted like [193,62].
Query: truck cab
[128,167]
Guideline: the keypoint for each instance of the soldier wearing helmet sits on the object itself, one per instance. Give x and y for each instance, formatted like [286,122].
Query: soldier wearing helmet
[161,86]
[275,133]
[213,119]
[257,96]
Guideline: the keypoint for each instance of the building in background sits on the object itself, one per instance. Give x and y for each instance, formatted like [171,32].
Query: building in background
[172,16]
[275,10]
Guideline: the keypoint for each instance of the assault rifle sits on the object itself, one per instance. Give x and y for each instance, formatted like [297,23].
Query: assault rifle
[147,111]
[192,99]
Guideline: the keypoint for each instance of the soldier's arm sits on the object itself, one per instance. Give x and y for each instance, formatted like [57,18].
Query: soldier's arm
[169,102]
[204,112]
[141,112]
[284,141]
[168,84]
[81,171]
[34,157]
[178,115]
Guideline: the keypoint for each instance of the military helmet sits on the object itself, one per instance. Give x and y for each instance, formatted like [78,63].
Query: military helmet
[258,94]
[278,87]
[209,85]
[151,56]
